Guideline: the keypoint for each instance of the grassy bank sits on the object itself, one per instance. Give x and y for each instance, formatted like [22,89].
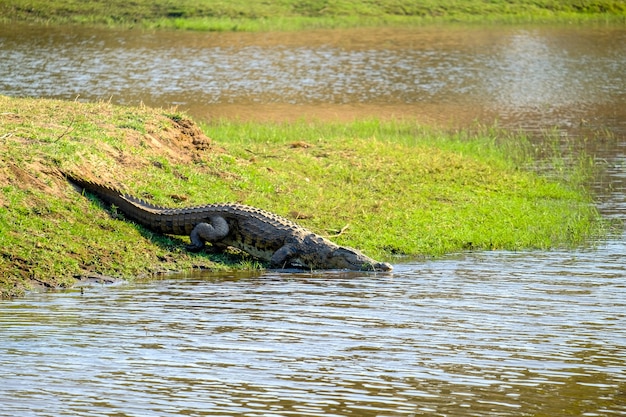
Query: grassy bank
[245,15]
[386,187]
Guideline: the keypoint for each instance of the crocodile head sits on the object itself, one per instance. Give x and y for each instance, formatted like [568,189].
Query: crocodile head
[348,258]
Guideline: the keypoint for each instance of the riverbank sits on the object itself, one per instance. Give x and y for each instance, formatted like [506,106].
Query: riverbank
[243,15]
[389,188]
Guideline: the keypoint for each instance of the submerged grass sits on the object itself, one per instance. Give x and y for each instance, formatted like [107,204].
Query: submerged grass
[389,188]
[257,15]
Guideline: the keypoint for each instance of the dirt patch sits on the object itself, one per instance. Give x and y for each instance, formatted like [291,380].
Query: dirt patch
[24,179]
[181,141]
[177,139]
[190,132]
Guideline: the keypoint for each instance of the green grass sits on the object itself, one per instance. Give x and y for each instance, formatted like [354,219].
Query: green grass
[389,188]
[405,189]
[256,15]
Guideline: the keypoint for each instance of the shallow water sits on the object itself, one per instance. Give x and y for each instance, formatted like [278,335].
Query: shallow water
[495,333]
[530,76]
[477,334]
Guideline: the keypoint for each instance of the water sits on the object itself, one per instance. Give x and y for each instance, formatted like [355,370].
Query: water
[493,333]
[524,76]
[476,334]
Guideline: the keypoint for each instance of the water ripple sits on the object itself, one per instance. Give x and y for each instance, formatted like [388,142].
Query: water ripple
[541,76]
[492,333]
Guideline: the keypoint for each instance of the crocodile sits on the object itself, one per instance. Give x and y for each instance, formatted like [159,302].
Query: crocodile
[264,235]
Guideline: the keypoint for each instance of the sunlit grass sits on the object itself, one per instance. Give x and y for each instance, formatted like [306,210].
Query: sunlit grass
[406,189]
[257,15]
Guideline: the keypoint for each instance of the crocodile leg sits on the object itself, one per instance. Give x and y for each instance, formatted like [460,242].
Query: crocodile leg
[280,258]
[211,232]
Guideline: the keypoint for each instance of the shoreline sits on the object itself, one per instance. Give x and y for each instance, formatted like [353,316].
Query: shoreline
[396,187]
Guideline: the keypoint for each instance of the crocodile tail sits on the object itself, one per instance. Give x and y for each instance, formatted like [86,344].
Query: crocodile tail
[106,193]
[133,208]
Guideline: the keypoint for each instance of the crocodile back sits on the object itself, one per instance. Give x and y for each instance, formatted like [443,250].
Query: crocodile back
[181,221]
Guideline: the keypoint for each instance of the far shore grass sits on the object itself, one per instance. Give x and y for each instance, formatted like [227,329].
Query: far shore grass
[258,15]
[394,189]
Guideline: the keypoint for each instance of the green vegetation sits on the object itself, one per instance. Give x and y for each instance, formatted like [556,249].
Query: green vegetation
[389,188]
[255,15]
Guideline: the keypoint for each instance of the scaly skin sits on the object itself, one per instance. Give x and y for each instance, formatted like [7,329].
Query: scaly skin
[262,234]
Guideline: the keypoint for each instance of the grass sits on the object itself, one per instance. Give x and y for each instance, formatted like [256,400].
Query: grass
[256,15]
[405,189]
[389,188]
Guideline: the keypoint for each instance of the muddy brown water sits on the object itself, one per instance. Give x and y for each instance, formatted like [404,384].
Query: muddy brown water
[497,333]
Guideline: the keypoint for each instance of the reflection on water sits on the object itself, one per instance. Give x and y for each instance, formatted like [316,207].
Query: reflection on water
[479,334]
[538,76]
